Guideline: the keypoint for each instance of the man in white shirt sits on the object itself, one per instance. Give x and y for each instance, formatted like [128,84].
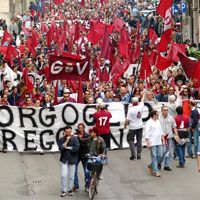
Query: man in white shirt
[154,136]
[134,119]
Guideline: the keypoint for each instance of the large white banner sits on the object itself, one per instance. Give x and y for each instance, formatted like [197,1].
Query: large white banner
[38,129]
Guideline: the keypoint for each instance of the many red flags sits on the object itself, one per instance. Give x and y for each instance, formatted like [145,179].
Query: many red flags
[58,2]
[145,70]
[165,10]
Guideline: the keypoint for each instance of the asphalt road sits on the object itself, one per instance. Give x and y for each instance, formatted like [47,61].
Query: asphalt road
[37,177]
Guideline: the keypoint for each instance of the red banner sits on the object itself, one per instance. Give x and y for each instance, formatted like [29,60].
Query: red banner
[69,67]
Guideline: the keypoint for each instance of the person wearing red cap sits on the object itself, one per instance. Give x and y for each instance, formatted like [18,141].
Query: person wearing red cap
[134,119]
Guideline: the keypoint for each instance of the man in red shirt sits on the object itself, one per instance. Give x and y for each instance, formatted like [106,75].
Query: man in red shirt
[102,120]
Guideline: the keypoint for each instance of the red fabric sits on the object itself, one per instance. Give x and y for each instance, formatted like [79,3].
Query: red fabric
[196,73]
[80,92]
[11,52]
[83,3]
[110,28]
[93,36]
[27,81]
[182,120]
[186,108]
[152,58]
[123,43]
[145,70]
[102,118]
[177,48]
[6,35]
[118,24]
[99,27]
[55,102]
[163,62]
[164,41]
[104,76]
[188,65]
[152,35]
[163,6]
[44,28]
[136,52]
[76,32]
[105,45]
[68,67]
[3,50]
[58,2]
[32,42]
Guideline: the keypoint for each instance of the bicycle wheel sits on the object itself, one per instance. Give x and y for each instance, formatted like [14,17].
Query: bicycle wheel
[92,186]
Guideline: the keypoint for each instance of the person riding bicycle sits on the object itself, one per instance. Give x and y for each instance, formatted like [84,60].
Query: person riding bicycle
[96,147]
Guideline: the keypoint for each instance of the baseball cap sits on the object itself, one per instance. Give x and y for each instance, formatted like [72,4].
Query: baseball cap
[135,100]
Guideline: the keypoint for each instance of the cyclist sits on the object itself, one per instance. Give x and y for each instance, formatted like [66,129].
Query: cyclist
[96,147]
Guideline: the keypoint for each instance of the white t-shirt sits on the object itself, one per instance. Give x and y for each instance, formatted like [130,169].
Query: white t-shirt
[134,116]
[153,132]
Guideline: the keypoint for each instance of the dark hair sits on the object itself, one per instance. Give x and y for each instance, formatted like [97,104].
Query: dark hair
[67,127]
[93,129]
[152,113]
[81,124]
[179,110]
[192,103]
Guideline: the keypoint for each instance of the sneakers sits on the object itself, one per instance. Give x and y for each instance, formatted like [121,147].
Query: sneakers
[149,169]
[75,189]
[167,169]
[132,158]
[156,174]
[70,193]
[179,166]
[86,189]
[63,194]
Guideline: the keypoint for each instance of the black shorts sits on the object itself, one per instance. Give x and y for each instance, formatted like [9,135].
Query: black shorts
[106,138]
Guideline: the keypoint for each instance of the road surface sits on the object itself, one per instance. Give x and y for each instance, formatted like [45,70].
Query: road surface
[37,177]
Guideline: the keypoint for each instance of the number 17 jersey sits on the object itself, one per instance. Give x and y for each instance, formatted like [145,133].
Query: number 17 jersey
[102,119]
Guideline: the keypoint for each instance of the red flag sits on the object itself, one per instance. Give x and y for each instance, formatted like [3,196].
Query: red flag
[177,48]
[76,32]
[105,44]
[32,42]
[164,41]
[136,52]
[186,107]
[80,91]
[163,62]
[83,3]
[163,6]
[116,66]
[145,70]
[152,58]
[104,76]
[58,2]
[27,81]
[99,27]
[11,52]
[3,50]
[118,24]
[93,36]
[6,35]
[188,65]
[152,35]
[44,28]
[123,43]
[196,74]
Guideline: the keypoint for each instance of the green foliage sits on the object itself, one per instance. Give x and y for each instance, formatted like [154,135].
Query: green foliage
[194,53]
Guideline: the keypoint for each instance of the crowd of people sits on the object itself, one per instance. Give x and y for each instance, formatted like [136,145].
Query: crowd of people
[165,135]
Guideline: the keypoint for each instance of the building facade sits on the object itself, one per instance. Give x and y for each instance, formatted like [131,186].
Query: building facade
[9,8]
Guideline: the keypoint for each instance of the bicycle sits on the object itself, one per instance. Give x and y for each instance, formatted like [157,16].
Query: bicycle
[95,167]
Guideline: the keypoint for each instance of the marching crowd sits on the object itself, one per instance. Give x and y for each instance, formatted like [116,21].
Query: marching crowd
[167,136]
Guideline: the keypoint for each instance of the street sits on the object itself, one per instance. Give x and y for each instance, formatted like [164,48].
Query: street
[37,177]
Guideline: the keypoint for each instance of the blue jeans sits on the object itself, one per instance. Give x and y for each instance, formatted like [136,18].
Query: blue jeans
[168,153]
[156,154]
[67,177]
[195,135]
[84,164]
[181,153]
